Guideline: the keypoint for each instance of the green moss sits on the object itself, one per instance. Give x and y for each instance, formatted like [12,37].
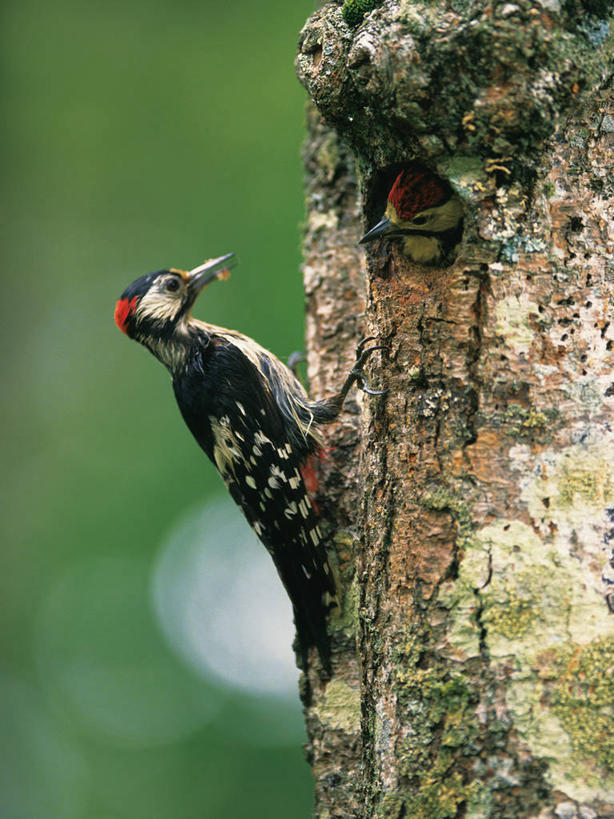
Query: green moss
[444,730]
[480,804]
[517,421]
[526,421]
[441,796]
[548,189]
[340,707]
[582,694]
[515,618]
[348,618]
[342,560]
[391,806]
[534,419]
[354,10]
[444,500]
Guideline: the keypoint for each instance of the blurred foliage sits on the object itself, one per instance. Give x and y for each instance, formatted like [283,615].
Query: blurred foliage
[136,136]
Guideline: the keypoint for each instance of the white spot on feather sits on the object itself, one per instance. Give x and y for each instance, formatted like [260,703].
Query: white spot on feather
[260,438]
[226,452]
[291,509]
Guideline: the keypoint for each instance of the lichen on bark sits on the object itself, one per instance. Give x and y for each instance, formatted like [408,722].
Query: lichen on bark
[477,637]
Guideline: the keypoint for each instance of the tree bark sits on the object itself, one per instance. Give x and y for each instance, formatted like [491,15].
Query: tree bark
[473,505]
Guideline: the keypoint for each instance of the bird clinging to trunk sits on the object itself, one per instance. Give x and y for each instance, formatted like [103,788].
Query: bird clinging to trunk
[256,423]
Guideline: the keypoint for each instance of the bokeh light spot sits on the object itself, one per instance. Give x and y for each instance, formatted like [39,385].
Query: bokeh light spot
[221,604]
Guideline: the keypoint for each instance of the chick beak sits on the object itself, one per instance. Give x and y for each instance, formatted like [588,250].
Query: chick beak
[212,269]
[382,228]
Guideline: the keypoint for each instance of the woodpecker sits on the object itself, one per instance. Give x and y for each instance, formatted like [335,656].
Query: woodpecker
[423,211]
[254,420]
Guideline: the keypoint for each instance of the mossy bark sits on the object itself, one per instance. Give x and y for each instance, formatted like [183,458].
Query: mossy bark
[473,504]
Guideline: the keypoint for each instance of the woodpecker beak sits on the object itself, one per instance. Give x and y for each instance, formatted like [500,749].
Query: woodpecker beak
[203,275]
[382,228]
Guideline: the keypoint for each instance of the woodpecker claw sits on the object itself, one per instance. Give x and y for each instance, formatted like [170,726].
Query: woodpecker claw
[365,386]
[362,355]
[356,374]
[361,345]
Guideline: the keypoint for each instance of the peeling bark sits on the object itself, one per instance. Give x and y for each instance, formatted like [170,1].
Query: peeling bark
[473,505]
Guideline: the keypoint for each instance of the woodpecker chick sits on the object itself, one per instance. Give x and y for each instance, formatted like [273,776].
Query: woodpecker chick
[423,211]
[256,423]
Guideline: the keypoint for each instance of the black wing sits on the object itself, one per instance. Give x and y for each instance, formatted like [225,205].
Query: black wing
[233,415]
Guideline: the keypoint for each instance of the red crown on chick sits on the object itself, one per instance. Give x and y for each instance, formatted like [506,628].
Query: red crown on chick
[415,190]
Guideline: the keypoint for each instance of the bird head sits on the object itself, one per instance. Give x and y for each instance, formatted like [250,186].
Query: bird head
[423,210]
[155,305]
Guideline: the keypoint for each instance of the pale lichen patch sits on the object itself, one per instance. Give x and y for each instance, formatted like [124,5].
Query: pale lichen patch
[576,480]
[581,690]
[568,495]
[519,605]
[340,707]
[537,629]
[512,324]
[460,596]
[347,619]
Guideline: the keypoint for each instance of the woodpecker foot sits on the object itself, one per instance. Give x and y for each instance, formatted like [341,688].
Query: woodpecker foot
[294,359]
[361,345]
[365,386]
[356,374]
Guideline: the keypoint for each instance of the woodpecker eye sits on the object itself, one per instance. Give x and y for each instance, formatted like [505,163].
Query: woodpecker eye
[172,285]
[420,220]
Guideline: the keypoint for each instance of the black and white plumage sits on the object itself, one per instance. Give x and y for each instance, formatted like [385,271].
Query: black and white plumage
[255,422]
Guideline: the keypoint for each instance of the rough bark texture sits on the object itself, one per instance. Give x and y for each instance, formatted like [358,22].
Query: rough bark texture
[474,504]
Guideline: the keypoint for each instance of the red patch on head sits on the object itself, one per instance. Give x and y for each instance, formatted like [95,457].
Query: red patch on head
[416,190]
[123,309]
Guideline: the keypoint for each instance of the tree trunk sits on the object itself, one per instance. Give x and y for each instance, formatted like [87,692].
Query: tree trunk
[473,505]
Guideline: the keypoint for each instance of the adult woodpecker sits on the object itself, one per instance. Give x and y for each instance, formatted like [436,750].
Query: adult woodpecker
[254,420]
[423,211]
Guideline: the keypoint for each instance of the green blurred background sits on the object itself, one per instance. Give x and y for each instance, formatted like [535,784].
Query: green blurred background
[140,136]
